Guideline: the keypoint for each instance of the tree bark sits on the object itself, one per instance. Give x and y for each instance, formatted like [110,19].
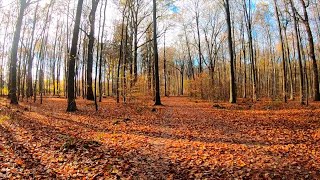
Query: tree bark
[14,54]
[311,53]
[248,20]
[31,56]
[284,74]
[295,20]
[92,18]
[233,96]
[156,58]
[73,54]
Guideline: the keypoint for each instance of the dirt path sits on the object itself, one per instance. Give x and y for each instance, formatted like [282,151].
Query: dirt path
[183,139]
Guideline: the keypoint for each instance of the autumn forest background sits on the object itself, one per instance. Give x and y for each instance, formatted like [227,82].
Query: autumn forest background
[162,89]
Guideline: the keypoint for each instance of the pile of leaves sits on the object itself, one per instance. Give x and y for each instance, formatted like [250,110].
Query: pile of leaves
[180,140]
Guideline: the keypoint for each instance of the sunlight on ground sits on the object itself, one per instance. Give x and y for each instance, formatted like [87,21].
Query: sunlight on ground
[173,141]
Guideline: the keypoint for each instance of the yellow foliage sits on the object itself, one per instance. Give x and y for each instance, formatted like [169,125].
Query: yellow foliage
[4,119]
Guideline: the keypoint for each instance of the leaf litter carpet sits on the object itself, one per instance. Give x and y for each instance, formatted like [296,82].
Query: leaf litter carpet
[185,139]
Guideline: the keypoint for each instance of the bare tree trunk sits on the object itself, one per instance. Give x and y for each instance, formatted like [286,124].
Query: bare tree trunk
[298,47]
[284,74]
[199,41]
[165,65]
[54,61]
[124,68]
[248,20]
[120,54]
[101,53]
[182,78]
[71,98]
[92,18]
[289,65]
[311,53]
[156,58]
[20,61]
[31,55]
[233,96]
[245,67]
[14,54]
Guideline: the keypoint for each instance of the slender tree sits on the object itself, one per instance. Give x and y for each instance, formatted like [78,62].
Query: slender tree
[233,96]
[120,53]
[248,21]
[156,57]
[31,55]
[101,51]
[284,73]
[14,52]
[295,21]
[72,58]
[92,18]
[305,20]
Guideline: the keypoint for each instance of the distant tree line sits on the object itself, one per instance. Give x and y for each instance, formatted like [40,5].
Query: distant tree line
[217,50]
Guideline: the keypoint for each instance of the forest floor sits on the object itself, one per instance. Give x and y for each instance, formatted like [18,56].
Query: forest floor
[184,139]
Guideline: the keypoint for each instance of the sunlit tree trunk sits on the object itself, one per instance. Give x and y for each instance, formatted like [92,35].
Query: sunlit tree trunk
[295,20]
[284,74]
[92,18]
[120,55]
[233,96]
[289,65]
[248,20]
[102,62]
[31,55]
[312,55]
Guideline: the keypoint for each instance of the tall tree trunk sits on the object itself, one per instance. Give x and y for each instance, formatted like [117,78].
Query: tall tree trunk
[71,98]
[284,74]
[156,58]
[298,47]
[98,63]
[120,55]
[101,53]
[20,61]
[124,68]
[135,45]
[54,56]
[199,41]
[182,80]
[289,65]
[14,54]
[165,65]
[31,55]
[248,20]
[311,53]
[245,67]
[92,18]
[233,96]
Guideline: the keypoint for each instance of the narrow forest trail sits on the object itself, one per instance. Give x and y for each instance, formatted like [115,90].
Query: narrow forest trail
[183,139]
